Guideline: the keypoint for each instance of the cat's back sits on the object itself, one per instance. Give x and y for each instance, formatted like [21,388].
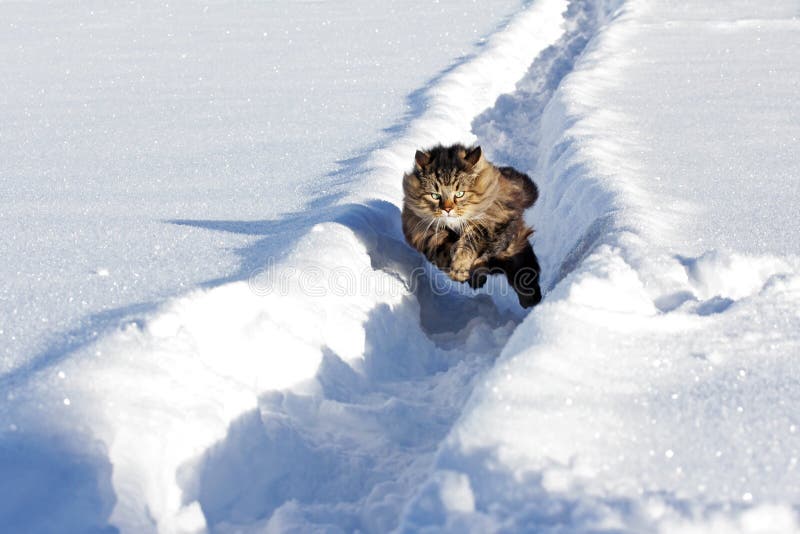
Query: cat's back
[519,187]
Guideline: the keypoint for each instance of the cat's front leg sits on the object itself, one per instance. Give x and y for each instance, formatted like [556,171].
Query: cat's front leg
[439,251]
[479,272]
[461,264]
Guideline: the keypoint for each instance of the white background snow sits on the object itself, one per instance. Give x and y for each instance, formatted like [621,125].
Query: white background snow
[210,320]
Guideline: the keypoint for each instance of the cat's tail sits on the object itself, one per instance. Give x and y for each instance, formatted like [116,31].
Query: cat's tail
[528,192]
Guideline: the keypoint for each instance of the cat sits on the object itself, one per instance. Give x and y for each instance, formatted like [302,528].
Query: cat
[465,215]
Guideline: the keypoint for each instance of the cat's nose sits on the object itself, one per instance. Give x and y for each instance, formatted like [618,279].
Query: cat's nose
[447,209]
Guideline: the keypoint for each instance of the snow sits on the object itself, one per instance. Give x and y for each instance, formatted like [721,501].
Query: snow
[249,350]
[656,388]
[119,121]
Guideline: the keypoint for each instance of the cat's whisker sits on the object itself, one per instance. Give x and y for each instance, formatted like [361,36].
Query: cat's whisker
[433,220]
[417,226]
[420,223]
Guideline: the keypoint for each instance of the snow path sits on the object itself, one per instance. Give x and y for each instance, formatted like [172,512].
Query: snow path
[261,403]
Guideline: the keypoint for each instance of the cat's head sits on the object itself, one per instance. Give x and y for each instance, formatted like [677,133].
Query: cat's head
[454,184]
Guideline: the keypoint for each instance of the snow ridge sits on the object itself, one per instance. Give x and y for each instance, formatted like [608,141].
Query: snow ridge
[643,395]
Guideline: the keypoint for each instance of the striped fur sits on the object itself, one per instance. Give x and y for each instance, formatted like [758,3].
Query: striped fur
[465,215]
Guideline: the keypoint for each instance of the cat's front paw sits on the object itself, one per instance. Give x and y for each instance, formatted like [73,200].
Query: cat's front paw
[459,275]
[461,266]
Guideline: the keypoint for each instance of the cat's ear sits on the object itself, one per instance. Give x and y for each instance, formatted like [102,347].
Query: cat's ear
[411,184]
[422,158]
[473,156]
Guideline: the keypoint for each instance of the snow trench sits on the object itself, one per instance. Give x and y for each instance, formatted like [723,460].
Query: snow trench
[348,449]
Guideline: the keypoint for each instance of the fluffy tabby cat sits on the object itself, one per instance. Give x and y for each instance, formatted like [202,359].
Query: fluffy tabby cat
[465,215]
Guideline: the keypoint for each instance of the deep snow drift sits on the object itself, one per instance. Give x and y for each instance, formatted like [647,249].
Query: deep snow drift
[337,383]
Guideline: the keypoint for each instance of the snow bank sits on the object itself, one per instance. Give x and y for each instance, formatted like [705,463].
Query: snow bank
[653,390]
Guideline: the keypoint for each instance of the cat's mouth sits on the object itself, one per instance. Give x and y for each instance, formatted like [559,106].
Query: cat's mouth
[452,220]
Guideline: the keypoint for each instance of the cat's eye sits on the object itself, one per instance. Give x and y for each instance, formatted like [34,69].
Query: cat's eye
[436,196]
[459,194]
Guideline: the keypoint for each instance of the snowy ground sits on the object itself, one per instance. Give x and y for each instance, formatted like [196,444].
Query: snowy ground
[117,121]
[208,325]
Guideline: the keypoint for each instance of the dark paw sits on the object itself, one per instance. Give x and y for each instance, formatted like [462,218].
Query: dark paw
[528,301]
[477,279]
